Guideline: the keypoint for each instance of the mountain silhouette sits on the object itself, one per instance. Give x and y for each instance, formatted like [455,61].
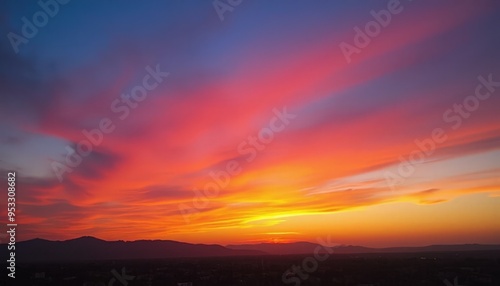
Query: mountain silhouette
[89,248]
[308,248]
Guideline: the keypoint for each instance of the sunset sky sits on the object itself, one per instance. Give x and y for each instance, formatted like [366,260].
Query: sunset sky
[255,125]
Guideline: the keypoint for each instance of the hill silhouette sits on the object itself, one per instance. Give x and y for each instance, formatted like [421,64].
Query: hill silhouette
[89,248]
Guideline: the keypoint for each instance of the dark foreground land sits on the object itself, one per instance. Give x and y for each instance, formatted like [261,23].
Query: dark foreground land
[469,268]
